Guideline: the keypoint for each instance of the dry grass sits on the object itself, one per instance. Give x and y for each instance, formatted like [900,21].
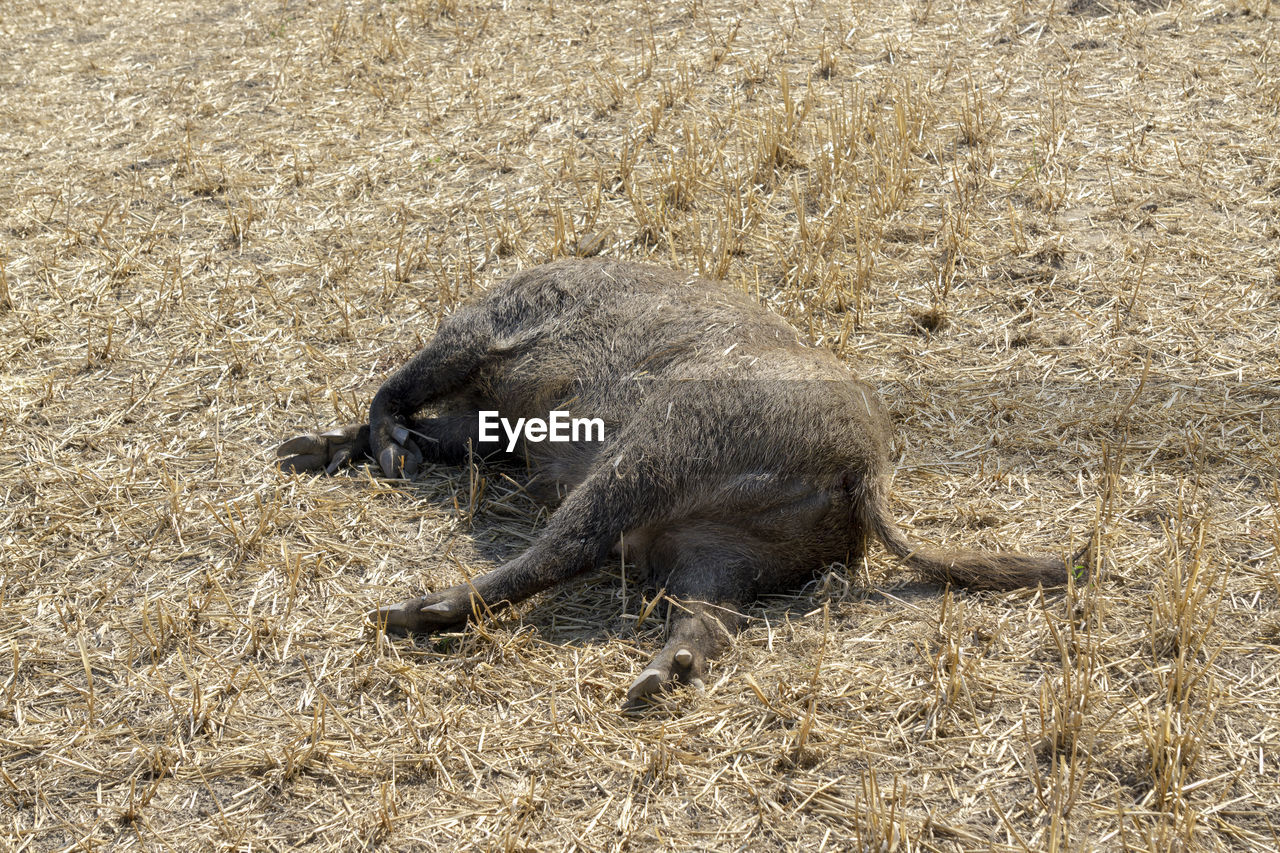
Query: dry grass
[1048,231]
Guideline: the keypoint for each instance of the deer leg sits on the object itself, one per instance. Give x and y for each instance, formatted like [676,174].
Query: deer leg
[440,368]
[445,440]
[708,588]
[575,540]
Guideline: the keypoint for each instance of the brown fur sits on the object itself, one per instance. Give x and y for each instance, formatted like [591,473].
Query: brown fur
[736,460]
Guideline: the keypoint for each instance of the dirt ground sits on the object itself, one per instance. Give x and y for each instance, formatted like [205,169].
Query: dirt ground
[1048,232]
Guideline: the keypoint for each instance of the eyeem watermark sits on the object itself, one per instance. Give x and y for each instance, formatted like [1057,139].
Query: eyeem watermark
[558,426]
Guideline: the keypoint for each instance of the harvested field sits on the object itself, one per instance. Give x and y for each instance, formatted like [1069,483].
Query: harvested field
[1048,232]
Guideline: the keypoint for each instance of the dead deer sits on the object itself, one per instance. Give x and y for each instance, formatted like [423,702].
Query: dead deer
[735,460]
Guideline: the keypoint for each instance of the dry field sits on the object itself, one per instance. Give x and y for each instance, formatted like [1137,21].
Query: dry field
[1047,230]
